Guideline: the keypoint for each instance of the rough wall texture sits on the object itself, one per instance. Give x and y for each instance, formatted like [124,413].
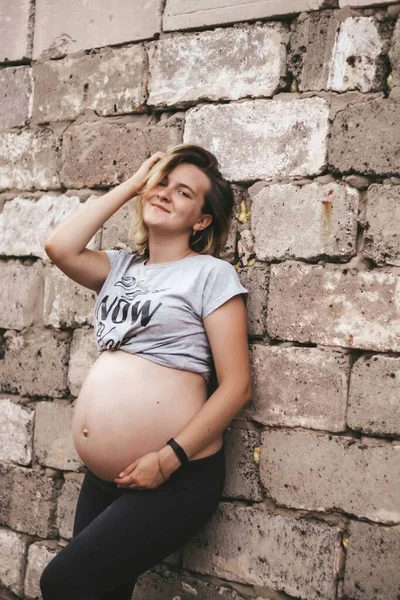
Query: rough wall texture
[300,101]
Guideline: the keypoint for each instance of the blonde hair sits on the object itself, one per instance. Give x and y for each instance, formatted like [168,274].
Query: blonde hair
[218,201]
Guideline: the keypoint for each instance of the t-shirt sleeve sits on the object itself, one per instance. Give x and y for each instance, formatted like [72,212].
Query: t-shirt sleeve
[222,283]
[112,255]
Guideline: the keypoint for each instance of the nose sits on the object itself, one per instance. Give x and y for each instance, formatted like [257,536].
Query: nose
[164,194]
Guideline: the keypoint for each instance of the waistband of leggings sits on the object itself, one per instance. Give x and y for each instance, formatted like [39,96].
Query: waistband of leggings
[204,460]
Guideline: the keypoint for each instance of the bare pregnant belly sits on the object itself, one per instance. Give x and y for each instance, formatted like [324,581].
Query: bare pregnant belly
[131,406]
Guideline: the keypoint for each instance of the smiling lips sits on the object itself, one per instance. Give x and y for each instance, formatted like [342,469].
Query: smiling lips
[160,207]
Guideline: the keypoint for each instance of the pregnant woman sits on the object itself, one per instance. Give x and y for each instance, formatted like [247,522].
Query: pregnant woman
[168,314]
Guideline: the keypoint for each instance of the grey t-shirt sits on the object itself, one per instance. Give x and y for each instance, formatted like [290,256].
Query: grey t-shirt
[157,311]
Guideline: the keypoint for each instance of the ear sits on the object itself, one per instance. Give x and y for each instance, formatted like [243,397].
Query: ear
[203,222]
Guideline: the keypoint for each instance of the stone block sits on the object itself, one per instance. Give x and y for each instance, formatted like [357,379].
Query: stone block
[372,566]
[29,159]
[241,451]
[66,506]
[53,444]
[364,3]
[36,363]
[335,307]
[111,81]
[394,55]
[326,215]
[256,279]
[21,295]
[374,399]
[39,557]
[268,138]
[382,215]
[62,29]
[364,138]
[26,223]
[16,432]
[116,230]
[66,303]
[13,550]
[244,544]
[311,471]
[15,96]
[299,387]
[15,30]
[191,67]
[186,14]
[83,355]
[113,152]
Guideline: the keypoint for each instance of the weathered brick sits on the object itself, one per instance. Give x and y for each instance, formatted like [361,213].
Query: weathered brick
[53,444]
[364,138]
[16,432]
[62,29]
[256,279]
[113,151]
[111,81]
[191,67]
[242,478]
[394,55]
[382,235]
[304,387]
[296,556]
[333,306]
[115,231]
[326,214]
[66,506]
[13,550]
[29,159]
[83,355]
[21,295]
[26,223]
[15,96]
[15,30]
[185,14]
[66,303]
[372,564]
[36,362]
[38,558]
[307,470]
[32,502]
[360,3]
[374,402]
[261,143]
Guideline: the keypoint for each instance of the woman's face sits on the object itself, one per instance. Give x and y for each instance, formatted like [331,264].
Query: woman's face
[175,202]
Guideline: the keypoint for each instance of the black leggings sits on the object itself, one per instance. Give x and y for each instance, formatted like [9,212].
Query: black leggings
[120,533]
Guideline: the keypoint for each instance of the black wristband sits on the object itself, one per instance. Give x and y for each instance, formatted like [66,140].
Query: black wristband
[179,451]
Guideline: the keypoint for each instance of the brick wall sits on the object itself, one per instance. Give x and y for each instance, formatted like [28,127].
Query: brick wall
[299,100]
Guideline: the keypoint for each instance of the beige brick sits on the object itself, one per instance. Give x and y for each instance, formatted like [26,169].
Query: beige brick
[325,214]
[360,3]
[262,144]
[309,471]
[255,279]
[15,96]
[38,558]
[26,223]
[333,306]
[242,477]
[115,231]
[394,55]
[15,30]
[382,237]
[53,444]
[185,14]
[13,550]
[31,499]
[113,152]
[364,138]
[21,295]
[111,81]
[304,387]
[83,355]
[29,159]
[16,431]
[191,67]
[372,565]
[66,507]
[62,29]
[66,303]
[36,363]
[296,556]
[374,399]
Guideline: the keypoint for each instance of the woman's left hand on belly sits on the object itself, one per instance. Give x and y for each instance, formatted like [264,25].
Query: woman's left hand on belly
[143,474]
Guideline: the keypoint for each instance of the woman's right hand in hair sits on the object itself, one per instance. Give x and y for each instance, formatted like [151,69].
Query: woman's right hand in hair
[139,178]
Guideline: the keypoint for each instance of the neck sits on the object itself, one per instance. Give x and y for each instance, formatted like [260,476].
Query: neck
[164,249]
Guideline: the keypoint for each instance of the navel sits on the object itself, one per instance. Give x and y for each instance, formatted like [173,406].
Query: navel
[85,432]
